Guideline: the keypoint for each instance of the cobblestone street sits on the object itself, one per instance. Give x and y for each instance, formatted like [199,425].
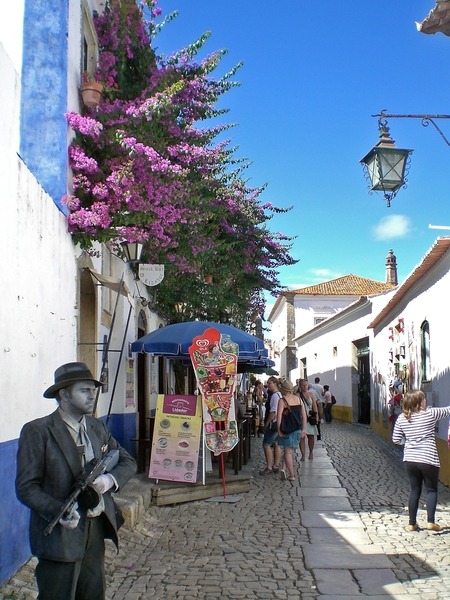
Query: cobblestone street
[338,531]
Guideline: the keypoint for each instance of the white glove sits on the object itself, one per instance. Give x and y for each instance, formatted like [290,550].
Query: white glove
[103,483]
[72,519]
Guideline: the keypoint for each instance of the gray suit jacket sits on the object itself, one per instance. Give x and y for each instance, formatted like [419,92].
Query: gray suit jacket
[47,465]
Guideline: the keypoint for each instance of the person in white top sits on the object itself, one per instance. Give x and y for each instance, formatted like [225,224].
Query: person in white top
[319,391]
[415,429]
[328,403]
[319,388]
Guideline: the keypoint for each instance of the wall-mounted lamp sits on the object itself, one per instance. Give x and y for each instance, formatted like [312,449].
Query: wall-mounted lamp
[386,165]
[132,251]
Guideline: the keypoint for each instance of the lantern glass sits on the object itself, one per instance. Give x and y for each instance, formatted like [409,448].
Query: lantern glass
[132,251]
[386,164]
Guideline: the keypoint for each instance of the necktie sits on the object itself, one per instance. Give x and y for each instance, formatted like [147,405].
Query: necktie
[85,446]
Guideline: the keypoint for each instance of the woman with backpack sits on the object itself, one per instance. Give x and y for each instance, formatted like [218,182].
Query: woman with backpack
[290,439]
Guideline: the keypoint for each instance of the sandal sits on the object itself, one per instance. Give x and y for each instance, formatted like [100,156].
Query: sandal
[291,478]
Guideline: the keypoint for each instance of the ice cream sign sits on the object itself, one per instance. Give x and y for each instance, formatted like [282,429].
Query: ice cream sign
[214,359]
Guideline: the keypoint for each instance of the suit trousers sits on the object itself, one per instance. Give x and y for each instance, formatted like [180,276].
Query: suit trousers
[82,580]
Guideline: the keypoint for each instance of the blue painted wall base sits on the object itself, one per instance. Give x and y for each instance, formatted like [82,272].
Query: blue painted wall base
[123,428]
[14,517]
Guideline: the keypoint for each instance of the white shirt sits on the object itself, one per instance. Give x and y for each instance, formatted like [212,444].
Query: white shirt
[274,404]
[319,390]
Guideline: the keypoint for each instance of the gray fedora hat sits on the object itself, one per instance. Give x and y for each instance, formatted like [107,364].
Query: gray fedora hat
[67,374]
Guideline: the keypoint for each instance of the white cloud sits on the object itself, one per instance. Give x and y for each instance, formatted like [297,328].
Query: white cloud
[391,227]
[324,274]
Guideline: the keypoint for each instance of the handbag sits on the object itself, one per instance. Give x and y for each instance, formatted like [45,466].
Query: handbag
[290,422]
[312,420]
[333,400]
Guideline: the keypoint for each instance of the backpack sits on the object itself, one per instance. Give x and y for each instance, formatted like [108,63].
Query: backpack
[333,399]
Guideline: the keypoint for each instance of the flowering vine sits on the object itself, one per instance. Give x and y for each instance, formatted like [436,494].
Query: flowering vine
[144,171]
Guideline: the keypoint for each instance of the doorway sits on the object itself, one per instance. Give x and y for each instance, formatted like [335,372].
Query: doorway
[143,425]
[364,389]
[87,333]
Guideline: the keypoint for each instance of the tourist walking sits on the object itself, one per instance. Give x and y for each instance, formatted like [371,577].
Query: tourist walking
[271,430]
[319,390]
[290,440]
[313,391]
[310,404]
[416,429]
[327,404]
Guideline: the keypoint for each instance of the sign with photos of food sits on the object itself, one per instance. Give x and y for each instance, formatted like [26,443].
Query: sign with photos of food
[214,359]
[176,438]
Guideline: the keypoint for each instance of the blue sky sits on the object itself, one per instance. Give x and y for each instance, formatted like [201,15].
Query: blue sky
[313,74]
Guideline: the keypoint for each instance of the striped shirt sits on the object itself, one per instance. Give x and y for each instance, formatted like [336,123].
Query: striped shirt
[418,436]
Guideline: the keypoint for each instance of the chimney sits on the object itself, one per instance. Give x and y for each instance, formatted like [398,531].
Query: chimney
[391,268]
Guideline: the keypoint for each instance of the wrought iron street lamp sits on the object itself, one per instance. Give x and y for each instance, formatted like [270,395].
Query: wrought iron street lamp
[386,165]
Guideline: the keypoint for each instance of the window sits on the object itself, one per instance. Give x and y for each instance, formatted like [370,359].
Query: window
[89,48]
[425,351]
[303,370]
[318,320]
[334,351]
[106,292]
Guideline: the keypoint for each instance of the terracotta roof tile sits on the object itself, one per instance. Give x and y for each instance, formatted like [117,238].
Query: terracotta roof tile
[349,285]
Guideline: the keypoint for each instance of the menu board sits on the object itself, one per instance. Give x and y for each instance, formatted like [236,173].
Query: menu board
[214,358]
[176,438]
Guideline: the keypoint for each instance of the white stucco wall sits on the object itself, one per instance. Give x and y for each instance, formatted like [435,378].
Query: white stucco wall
[334,369]
[38,277]
[329,351]
[309,307]
[427,300]
[11,24]
[278,336]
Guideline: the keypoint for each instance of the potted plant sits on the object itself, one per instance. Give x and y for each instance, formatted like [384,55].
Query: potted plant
[91,90]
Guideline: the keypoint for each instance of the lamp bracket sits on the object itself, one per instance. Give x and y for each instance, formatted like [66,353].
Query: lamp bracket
[426,120]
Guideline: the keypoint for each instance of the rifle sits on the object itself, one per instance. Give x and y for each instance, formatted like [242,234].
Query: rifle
[92,470]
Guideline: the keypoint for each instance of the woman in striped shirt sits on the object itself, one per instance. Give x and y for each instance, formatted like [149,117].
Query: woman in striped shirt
[415,428]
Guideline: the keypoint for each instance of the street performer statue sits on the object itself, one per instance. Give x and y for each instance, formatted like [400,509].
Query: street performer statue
[57,455]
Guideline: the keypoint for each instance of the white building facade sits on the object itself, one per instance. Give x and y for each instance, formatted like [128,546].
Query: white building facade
[298,311]
[410,344]
[53,309]
[338,351]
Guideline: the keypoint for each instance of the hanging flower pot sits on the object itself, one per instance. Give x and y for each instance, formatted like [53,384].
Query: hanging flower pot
[208,278]
[91,92]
